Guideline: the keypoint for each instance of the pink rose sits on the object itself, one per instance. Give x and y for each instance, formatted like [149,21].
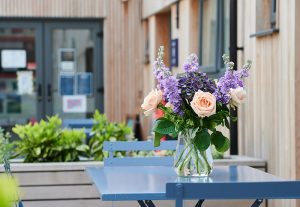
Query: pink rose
[204,104]
[151,101]
[238,96]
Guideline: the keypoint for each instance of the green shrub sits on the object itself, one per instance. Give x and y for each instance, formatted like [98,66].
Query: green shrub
[5,146]
[47,142]
[103,130]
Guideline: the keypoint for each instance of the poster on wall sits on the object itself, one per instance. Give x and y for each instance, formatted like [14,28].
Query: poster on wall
[13,59]
[66,57]
[25,82]
[74,104]
[66,84]
[84,84]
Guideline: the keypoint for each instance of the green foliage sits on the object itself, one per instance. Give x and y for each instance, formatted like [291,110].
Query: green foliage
[202,140]
[70,146]
[5,146]
[47,142]
[162,127]
[103,130]
[221,142]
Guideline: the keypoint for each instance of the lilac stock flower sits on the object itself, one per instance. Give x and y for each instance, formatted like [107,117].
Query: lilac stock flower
[172,93]
[232,79]
[167,83]
[191,64]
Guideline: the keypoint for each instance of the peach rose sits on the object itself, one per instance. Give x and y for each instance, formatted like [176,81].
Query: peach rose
[238,96]
[204,104]
[151,101]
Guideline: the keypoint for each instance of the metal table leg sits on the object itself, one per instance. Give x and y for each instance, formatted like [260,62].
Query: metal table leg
[257,203]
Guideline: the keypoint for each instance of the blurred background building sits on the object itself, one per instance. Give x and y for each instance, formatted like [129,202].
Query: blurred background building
[70,57]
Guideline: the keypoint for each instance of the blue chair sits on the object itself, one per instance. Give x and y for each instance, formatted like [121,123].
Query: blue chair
[111,147]
[112,161]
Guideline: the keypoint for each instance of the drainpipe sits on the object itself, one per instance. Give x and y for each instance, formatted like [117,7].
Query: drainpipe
[233,57]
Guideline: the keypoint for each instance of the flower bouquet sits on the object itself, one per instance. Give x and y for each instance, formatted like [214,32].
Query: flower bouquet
[195,106]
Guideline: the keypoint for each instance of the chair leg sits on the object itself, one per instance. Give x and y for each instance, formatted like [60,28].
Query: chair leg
[146,203]
[149,203]
[199,203]
[142,204]
[257,203]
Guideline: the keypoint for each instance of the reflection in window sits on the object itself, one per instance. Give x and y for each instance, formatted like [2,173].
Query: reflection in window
[213,35]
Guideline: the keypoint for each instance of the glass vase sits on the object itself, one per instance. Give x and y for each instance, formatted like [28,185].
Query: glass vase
[189,160]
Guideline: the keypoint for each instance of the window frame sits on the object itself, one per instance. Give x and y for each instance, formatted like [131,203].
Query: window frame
[217,68]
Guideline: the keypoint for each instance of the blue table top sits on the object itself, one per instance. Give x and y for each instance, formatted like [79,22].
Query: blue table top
[149,182]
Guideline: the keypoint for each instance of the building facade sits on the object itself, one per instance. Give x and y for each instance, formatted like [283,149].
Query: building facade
[76,56]
[104,50]
[267,34]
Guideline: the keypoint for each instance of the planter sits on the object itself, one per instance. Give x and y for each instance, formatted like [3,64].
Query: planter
[66,184]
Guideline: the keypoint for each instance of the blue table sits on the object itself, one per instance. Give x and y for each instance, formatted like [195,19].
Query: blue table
[146,183]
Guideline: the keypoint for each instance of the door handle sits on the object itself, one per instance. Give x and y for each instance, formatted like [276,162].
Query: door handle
[100,90]
[39,92]
[49,92]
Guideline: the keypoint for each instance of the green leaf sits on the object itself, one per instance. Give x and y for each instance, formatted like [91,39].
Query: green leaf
[202,140]
[37,151]
[157,137]
[221,142]
[164,126]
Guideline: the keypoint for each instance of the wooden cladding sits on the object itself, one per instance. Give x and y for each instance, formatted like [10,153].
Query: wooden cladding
[52,8]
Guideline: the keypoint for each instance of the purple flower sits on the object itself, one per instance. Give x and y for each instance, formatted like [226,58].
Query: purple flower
[232,79]
[172,93]
[191,82]
[191,64]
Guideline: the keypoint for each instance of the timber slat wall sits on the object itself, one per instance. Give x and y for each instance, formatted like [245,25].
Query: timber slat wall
[124,55]
[267,119]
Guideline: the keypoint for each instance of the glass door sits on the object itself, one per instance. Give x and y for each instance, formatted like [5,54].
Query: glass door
[74,71]
[21,75]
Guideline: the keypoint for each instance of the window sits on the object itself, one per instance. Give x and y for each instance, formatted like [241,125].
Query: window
[266,16]
[213,35]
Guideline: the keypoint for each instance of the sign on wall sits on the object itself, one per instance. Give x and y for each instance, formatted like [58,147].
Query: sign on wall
[12,59]
[84,84]
[67,59]
[66,84]
[74,104]
[25,82]
[174,53]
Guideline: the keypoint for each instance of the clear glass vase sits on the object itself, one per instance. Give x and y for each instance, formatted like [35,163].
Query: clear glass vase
[189,160]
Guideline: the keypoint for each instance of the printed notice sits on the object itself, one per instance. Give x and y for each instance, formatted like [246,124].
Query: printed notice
[74,104]
[67,84]
[84,84]
[25,82]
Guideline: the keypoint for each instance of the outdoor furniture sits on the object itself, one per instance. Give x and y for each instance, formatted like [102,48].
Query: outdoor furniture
[153,178]
[147,183]
[111,147]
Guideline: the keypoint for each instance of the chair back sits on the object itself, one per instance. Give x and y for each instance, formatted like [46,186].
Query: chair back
[127,146]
